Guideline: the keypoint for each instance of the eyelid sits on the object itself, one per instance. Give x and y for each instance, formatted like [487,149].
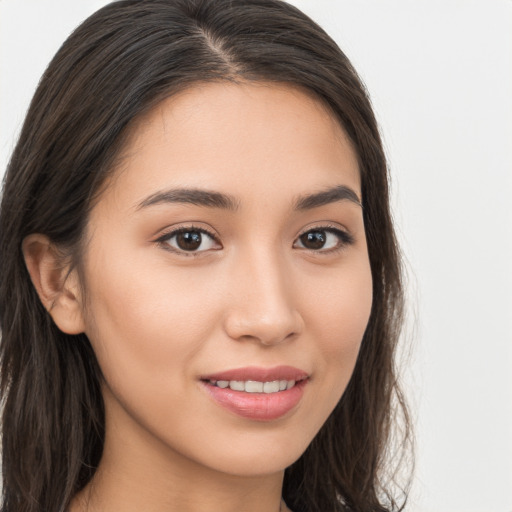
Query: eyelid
[343,234]
[172,231]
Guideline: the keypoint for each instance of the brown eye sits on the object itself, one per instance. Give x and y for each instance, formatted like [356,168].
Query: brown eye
[324,240]
[313,239]
[189,240]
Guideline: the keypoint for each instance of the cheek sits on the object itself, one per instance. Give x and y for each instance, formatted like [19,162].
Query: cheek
[338,313]
[144,319]
[341,307]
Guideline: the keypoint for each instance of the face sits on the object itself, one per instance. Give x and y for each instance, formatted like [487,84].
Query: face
[227,279]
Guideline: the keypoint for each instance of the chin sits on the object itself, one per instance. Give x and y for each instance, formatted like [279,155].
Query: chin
[256,456]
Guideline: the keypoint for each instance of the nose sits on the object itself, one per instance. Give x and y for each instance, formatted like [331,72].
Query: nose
[262,303]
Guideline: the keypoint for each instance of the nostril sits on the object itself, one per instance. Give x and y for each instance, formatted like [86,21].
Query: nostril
[264,309]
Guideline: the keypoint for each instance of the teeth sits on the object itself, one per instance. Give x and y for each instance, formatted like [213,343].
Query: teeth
[237,385]
[271,387]
[254,386]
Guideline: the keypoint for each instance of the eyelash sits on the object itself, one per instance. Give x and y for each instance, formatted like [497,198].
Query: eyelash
[345,239]
[166,237]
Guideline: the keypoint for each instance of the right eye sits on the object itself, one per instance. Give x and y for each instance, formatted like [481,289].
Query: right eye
[190,240]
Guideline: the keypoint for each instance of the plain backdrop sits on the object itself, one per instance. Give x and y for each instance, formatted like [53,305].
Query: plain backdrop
[440,76]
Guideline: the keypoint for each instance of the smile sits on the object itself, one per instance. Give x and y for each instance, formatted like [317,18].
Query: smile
[254,386]
[261,394]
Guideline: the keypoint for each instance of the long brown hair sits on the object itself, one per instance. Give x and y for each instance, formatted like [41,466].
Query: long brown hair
[117,65]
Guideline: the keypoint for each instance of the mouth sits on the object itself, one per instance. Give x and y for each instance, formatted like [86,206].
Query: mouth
[254,386]
[257,393]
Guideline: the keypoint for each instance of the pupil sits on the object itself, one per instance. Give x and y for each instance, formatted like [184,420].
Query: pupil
[189,240]
[313,239]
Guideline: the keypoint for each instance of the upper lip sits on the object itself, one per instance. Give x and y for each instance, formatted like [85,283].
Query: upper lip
[259,374]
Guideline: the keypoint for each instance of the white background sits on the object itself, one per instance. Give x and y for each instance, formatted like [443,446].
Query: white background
[440,75]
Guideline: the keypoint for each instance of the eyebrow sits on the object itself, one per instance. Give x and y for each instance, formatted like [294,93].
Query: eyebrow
[328,196]
[212,199]
[207,198]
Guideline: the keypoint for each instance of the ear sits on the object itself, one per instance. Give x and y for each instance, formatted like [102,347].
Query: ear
[57,288]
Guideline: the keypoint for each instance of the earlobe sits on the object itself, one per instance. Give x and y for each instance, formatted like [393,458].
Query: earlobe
[57,288]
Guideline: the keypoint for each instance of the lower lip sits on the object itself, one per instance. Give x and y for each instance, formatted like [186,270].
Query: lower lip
[257,406]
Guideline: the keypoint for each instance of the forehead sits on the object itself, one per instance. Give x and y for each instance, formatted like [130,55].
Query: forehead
[237,137]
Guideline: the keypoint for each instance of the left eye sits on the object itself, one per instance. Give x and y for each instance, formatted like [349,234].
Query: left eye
[323,239]
[190,240]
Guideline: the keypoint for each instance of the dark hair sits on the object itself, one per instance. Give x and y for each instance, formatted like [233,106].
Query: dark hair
[116,66]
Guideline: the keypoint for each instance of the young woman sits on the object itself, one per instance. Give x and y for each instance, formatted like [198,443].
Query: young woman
[200,289]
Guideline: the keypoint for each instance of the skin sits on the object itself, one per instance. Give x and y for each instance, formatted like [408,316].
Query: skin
[158,317]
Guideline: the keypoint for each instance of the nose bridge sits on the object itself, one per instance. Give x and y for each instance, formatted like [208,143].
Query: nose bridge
[263,304]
